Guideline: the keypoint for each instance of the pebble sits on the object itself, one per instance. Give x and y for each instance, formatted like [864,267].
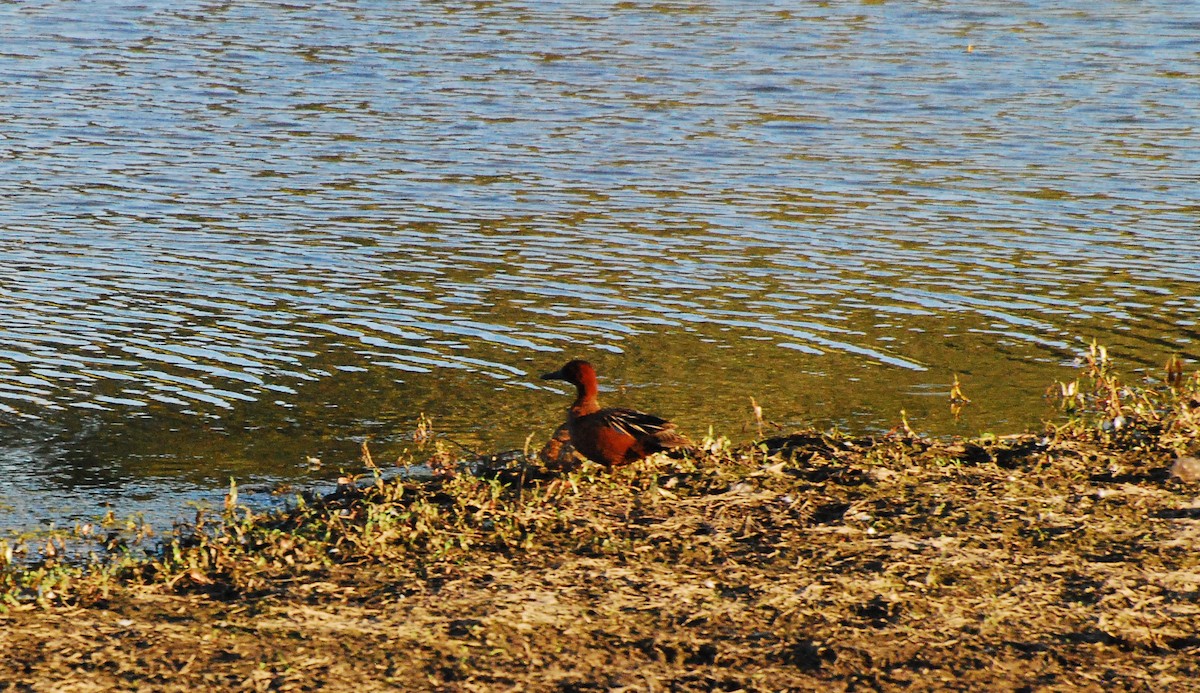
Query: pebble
[1187,469]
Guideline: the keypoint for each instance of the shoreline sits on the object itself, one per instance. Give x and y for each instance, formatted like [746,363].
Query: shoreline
[1059,560]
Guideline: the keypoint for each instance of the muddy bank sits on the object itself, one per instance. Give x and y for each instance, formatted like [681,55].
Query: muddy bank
[1065,559]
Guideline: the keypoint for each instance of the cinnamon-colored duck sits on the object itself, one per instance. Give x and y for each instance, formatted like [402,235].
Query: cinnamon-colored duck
[611,436]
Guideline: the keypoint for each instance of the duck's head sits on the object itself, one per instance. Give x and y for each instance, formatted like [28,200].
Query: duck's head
[576,372]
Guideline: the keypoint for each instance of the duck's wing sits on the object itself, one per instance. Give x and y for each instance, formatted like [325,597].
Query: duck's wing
[653,432]
[558,452]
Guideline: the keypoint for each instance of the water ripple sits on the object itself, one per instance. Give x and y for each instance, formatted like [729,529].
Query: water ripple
[267,214]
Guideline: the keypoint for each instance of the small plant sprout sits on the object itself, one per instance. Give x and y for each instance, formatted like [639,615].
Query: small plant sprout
[1097,360]
[957,399]
[368,461]
[956,393]
[231,498]
[424,430]
[1069,397]
[1174,371]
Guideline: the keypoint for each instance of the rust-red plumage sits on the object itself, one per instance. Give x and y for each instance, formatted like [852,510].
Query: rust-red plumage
[611,436]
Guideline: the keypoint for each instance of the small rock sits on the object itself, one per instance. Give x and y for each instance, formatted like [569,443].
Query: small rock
[1187,469]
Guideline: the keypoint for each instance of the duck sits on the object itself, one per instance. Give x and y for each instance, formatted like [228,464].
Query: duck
[610,436]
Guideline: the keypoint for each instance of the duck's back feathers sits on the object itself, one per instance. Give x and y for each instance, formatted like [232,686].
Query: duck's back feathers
[619,436]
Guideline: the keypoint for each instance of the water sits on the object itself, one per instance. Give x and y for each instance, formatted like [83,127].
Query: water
[234,236]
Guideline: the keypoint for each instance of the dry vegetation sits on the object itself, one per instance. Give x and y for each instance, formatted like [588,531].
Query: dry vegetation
[1065,560]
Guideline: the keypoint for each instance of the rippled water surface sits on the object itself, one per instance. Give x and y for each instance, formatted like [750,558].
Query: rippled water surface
[237,235]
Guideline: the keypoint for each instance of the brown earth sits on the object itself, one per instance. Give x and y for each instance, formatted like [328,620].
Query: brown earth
[808,562]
